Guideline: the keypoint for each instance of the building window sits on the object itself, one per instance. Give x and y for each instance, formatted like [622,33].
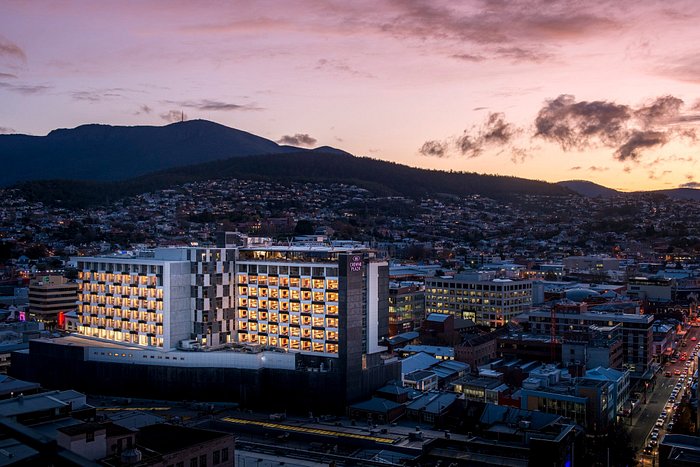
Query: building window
[89,436]
[203,460]
[224,454]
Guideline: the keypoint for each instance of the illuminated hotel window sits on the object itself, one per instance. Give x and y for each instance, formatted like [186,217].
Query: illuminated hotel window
[332,335]
[306,320]
[306,307]
[284,331]
[294,282]
[242,290]
[263,340]
[252,279]
[294,331]
[273,341]
[318,309]
[284,281]
[317,347]
[284,342]
[284,293]
[242,313]
[273,317]
[273,305]
[253,291]
[294,319]
[318,334]
[274,293]
[294,345]
[263,315]
[295,307]
[274,329]
[263,304]
[332,348]
[318,296]
[284,306]
[318,322]
[332,284]
[253,303]
[318,283]
[295,295]
[263,292]
[284,318]
[272,280]
[332,310]
[262,280]
[242,337]
[332,296]
[306,346]
[305,332]
[253,326]
[306,283]
[242,279]
[306,295]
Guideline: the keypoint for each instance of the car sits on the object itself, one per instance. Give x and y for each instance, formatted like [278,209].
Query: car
[654,442]
[668,374]
[669,427]
[648,449]
[673,361]
[664,413]
[677,372]
[693,338]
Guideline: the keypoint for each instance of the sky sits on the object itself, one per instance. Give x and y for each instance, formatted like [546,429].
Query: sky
[606,91]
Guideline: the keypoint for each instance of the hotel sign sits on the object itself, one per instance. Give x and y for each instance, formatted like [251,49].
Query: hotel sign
[355,263]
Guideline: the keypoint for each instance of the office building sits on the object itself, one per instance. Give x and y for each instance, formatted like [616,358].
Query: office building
[50,298]
[489,302]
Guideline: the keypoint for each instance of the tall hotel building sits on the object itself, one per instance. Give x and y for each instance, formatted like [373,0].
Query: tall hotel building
[234,322]
[479,297]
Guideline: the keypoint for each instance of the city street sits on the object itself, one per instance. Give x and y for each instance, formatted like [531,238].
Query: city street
[643,421]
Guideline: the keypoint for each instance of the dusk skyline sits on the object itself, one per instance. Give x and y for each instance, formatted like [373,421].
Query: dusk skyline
[603,91]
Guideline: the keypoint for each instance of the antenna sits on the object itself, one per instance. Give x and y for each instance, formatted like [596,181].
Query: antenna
[182,116]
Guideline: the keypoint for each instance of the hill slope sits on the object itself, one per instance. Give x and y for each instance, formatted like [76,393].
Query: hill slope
[381,177]
[588,189]
[104,152]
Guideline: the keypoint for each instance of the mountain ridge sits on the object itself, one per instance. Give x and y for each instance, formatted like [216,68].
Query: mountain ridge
[107,152]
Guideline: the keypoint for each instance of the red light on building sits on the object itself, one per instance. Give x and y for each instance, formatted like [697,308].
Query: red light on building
[61,320]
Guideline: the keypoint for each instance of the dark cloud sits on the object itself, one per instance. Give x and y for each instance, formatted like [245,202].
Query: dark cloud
[663,110]
[7,76]
[577,167]
[638,140]
[683,68]
[580,125]
[144,109]
[173,116]
[494,132]
[26,89]
[298,139]
[690,177]
[595,168]
[512,25]
[690,185]
[520,54]
[215,105]
[5,130]
[469,57]
[433,149]
[11,50]
[576,125]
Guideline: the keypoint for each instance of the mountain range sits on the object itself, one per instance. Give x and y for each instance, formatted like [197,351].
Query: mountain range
[94,164]
[594,190]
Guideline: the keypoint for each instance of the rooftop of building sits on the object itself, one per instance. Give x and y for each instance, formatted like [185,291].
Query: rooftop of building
[165,438]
